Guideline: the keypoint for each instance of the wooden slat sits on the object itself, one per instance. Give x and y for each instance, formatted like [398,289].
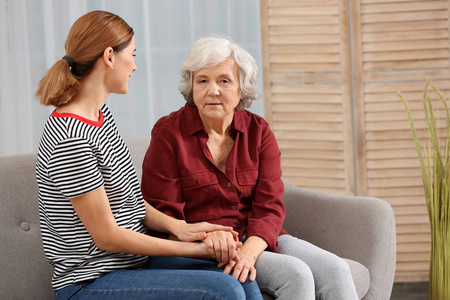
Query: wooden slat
[323,117]
[411,75]
[305,67]
[417,219]
[310,163]
[324,39]
[311,48]
[278,3]
[412,266]
[393,163]
[404,16]
[408,64]
[307,77]
[421,256]
[308,126]
[313,154]
[304,11]
[307,89]
[305,20]
[389,192]
[313,173]
[392,154]
[324,182]
[395,182]
[411,210]
[306,98]
[382,1]
[296,30]
[406,201]
[405,26]
[414,228]
[406,55]
[314,108]
[319,145]
[434,44]
[401,7]
[305,58]
[309,136]
[429,35]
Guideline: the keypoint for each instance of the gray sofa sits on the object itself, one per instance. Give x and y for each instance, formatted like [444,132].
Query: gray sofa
[359,229]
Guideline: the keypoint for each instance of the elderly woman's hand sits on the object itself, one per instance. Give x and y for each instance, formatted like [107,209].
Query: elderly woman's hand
[244,264]
[223,245]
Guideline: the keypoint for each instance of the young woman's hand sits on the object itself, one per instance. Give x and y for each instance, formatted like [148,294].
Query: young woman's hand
[197,231]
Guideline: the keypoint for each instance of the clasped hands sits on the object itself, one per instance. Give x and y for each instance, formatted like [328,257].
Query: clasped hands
[223,244]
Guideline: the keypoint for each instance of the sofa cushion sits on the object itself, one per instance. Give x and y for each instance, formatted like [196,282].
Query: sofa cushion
[361,277]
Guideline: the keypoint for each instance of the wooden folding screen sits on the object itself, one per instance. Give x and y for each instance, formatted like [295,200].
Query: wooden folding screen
[311,69]
[397,45]
[307,91]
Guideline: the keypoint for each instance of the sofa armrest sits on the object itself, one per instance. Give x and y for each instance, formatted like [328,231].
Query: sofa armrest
[357,228]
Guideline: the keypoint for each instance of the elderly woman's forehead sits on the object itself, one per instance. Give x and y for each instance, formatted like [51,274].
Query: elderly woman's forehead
[229,63]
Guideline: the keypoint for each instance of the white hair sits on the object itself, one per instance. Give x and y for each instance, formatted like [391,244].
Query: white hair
[211,51]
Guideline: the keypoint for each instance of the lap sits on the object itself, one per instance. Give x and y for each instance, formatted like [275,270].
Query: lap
[318,259]
[157,284]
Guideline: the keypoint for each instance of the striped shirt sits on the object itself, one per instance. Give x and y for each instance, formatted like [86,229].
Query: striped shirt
[77,156]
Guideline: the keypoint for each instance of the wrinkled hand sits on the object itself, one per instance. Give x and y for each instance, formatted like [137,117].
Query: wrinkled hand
[197,231]
[222,245]
[243,265]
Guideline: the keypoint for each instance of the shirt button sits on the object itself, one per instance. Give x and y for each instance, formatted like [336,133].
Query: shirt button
[234,207]
[229,184]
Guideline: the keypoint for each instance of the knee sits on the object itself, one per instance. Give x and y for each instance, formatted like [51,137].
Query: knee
[299,272]
[339,268]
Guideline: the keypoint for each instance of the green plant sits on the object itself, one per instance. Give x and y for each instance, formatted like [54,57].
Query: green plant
[435,170]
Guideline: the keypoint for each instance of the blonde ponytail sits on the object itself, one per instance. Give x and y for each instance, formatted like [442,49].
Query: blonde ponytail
[58,86]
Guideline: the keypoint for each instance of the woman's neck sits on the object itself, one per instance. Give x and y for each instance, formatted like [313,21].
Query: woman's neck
[87,101]
[218,127]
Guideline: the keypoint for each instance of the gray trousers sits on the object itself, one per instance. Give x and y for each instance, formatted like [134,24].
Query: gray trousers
[303,271]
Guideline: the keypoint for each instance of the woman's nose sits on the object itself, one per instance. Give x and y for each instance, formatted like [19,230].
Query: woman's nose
[213,89]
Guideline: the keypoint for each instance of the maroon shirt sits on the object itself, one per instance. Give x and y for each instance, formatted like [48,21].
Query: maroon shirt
[181,179]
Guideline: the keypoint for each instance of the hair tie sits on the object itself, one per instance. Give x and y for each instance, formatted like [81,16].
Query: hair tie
[69,60]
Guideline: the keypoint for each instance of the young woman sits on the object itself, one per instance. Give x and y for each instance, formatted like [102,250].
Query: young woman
[92,214]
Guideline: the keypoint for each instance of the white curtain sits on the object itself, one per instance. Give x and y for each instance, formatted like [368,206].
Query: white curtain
[33,33]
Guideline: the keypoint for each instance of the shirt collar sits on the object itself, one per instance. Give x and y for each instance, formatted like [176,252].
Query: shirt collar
[194,122]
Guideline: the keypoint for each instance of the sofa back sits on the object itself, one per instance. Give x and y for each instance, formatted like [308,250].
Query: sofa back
[26,273]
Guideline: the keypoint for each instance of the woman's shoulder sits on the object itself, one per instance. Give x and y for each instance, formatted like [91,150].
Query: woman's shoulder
[169,120]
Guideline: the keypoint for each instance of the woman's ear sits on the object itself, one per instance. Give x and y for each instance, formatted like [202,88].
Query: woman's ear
[108,57]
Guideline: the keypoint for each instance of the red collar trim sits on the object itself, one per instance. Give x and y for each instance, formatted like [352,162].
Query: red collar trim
[98,123]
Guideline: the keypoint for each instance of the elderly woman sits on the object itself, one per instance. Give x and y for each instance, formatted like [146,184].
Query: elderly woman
[214,161]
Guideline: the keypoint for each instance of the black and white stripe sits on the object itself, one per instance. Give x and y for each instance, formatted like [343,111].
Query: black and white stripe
[75,158]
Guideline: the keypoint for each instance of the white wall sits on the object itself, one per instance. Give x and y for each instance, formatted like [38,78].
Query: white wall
[32,36]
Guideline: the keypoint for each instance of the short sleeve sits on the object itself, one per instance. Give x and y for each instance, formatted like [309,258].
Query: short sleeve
[73,168]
